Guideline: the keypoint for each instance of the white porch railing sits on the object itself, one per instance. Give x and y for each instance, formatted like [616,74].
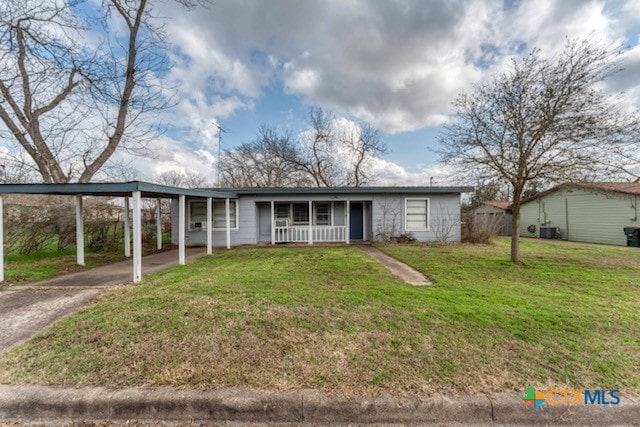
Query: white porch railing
[320,233]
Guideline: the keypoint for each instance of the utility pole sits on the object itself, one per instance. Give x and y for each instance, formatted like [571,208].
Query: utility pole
[221,130]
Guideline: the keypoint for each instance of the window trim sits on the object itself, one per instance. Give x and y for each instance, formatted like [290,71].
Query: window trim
[329,214]
[428,214]
[204,228]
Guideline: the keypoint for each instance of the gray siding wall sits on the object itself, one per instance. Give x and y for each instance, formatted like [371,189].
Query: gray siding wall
[582,215]
[444,216]
[386,211]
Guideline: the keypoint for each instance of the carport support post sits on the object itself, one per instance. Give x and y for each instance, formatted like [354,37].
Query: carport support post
[159,223]
[348,222]
[209,226]
[227,209]
[137,236]
[181,228]
[1,241]
[127,229]
[79,231]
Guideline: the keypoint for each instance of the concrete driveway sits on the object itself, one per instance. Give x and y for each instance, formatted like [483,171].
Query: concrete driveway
[28,309]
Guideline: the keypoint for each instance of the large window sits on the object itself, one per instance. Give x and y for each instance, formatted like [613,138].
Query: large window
[198,215]
[301,213]
[282,210]
[322,213]
[416,214]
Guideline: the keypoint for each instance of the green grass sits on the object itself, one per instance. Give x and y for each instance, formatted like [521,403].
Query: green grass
[46,264]
[50,262]
[332,319]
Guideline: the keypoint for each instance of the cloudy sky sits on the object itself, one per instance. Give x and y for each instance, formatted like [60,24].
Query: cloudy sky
[396,64]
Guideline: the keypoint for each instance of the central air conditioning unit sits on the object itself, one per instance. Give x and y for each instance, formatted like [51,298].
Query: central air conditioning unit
[282,222]
[549,232]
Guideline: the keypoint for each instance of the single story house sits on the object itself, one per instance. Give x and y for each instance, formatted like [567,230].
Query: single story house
[334,214]
[583,212]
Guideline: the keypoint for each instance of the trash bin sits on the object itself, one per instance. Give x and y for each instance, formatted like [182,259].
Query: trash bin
[633,236]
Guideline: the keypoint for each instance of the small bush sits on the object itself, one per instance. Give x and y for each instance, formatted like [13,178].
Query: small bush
[480,228]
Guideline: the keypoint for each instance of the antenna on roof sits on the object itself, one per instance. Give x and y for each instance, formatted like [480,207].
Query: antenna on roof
[221,130]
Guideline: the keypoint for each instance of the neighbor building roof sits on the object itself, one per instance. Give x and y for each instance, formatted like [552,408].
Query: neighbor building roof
[631,188]
[498,204]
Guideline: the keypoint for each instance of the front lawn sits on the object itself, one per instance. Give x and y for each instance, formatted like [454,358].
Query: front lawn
[332,319]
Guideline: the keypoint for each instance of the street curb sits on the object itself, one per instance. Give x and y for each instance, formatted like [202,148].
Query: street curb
[58,405]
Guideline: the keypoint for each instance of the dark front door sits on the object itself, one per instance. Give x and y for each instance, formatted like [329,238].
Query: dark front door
[355,228]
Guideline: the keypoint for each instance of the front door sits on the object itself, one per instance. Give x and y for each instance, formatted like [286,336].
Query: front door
[356,222]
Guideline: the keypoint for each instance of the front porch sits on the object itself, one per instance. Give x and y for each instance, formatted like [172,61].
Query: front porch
[314,221]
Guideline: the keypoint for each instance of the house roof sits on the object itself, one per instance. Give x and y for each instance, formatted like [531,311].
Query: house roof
[113,189]
[347,190]
[631,188]
[498,204]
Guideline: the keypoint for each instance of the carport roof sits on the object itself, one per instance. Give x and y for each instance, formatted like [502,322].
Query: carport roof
[113,189]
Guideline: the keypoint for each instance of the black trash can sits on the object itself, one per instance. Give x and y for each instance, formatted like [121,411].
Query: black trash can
[633,236]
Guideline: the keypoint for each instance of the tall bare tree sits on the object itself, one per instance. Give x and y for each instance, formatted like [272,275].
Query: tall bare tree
[541,119]
[262,162]
[325,155]
[68,103]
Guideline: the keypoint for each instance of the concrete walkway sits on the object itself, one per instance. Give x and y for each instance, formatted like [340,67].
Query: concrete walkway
[28,309]
[55,406]
[399,269]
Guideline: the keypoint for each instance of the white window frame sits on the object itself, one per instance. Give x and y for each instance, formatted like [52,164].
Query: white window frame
[330,214]
[428,227]
[204,223]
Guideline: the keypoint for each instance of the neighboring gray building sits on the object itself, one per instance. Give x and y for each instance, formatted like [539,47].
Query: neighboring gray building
[583,212]
[496,214]
[338,214]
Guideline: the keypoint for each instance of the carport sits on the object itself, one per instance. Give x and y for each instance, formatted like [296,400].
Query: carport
[136,190]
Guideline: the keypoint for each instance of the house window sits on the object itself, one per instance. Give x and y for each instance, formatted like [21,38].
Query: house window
[198,215]
[301,213]
[416,214]
[282,210]
[322,213]
[220,214]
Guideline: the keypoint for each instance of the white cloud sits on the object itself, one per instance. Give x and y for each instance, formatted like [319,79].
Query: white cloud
[395,64]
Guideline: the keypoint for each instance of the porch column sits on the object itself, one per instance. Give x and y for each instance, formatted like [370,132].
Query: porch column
[79,231]
[136,198]
[181,228]
[348,221]
[158,223]
[364,221]
[1,241]
[127,229]
[310,222]
[273,223]
[209,226]
[227,206]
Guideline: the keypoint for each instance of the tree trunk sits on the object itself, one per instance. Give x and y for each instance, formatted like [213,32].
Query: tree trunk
[515,225]
[515,235]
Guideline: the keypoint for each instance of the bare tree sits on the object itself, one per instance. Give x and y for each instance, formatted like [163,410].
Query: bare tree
[542,119]
[263,162]
[326,155]
[183,179]
[69,105]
